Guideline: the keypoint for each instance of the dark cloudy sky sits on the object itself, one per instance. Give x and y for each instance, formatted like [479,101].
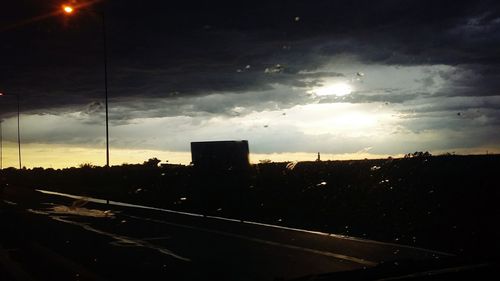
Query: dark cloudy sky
[351,79]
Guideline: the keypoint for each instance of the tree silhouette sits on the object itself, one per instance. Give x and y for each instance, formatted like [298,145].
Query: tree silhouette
[152,162]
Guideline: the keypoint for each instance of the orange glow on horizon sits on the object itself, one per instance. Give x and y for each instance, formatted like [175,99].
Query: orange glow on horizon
[60,156]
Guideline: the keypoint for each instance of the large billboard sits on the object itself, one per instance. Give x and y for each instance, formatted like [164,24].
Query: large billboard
[220,155]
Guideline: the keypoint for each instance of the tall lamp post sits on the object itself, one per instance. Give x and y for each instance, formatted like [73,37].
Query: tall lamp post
[18,133]
[1,145]
[68,10]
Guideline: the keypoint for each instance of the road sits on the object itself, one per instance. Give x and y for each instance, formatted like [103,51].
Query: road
[53,236]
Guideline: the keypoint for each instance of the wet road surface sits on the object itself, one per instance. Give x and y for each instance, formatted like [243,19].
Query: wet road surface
[54,236]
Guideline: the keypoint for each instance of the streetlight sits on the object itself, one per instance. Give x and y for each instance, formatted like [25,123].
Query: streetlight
[1,145]
[18,132]
[68,10]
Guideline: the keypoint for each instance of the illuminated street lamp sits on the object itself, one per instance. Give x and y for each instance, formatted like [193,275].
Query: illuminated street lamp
[18,133]
[68,10]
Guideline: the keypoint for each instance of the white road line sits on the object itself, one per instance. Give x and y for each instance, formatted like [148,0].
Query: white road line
[267,242]
[116,203]
[121,240]
[337,236]
[223,219]
[124,239]
[10,202]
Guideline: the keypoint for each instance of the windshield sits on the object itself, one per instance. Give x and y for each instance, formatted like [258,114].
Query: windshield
[248,140]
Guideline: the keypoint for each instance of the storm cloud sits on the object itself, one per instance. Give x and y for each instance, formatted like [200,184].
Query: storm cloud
[433,64]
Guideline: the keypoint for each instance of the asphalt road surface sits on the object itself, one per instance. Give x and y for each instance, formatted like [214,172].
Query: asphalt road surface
[54,236]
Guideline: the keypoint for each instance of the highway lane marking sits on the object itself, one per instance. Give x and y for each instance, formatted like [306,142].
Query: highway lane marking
[10,202]
[224,219]
[337,236]
[120,240]
[102,201]
[267,242]
[350,238]
[125,241]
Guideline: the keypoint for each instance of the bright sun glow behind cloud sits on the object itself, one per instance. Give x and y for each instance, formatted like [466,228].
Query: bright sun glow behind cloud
[332,128]
[337,89]
[342,119]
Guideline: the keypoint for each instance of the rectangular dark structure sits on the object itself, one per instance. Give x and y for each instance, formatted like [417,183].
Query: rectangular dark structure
[220,155]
